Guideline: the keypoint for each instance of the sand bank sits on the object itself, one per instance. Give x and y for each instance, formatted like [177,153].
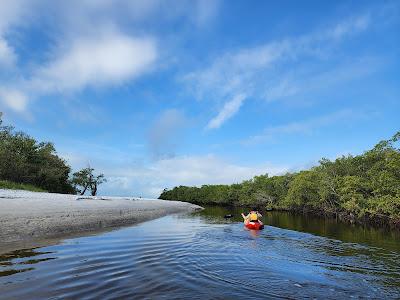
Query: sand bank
[28,218]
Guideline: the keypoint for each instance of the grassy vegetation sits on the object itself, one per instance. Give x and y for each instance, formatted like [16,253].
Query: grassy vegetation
[4,184]
[362,188]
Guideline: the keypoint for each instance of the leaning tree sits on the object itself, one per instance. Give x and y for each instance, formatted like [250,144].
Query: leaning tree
[85,179]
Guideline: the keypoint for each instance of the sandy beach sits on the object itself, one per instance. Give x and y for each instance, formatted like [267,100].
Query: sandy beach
[30,219]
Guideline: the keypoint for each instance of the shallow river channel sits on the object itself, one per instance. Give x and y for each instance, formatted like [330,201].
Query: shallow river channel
[204,256]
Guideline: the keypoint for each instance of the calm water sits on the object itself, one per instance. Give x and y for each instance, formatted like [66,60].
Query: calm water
[203,256]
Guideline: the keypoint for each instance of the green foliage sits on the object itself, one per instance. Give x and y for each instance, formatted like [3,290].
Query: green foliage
[4,184]
[366,185]
[85,179]
[27,161]
[262,191]
[304,191]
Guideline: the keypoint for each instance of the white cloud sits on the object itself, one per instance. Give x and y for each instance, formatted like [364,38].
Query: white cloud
[228,111]
[14,99]
[129,173]
[208,169]
[254,70]
[107,59]
[233,73]
[350,26]
[85,53]
[94,57]
[12,13]
[150,179]
[7,54]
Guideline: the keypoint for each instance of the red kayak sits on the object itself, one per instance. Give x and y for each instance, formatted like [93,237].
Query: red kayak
[255,225]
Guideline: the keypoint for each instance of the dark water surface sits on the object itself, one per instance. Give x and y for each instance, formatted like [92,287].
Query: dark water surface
[204,256]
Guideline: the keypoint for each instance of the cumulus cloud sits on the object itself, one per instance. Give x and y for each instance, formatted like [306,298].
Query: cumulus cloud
[110,58]
[148,179]
[107,59]
[85,52]
[194,171]
[208,169]
[97,61]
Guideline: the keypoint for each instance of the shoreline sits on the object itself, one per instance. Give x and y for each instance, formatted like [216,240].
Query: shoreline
[33,219]
[377,221]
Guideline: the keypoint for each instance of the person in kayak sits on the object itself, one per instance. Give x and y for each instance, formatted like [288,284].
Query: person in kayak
[252,216]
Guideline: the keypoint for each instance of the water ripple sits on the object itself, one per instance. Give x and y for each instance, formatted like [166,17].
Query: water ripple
[162,259]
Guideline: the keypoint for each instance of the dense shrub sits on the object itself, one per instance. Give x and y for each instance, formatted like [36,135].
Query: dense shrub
[24,160]
[366,186]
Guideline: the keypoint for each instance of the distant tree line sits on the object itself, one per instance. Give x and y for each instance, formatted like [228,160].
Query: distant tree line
[365,187]
[23,160]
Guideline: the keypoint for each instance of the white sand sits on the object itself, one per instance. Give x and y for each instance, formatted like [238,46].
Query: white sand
[28,217]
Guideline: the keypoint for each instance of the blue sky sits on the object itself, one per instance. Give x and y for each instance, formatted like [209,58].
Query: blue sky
[162,93]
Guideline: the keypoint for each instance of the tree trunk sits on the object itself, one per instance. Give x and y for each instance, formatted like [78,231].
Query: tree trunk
[84,190]
[94,189]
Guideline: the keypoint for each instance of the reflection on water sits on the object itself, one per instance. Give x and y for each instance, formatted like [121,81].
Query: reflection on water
[12,263]
[204,256]
[389,239]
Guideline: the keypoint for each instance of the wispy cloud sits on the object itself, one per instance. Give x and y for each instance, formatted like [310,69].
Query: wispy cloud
[254,71]
[305,81]
[82,111]
[307,126]
[350,26]
[230,108]
[206,11]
